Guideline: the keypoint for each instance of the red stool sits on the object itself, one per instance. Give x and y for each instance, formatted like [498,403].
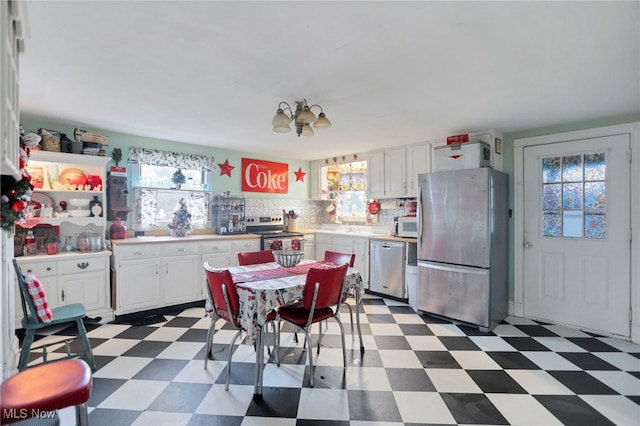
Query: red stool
[45,388]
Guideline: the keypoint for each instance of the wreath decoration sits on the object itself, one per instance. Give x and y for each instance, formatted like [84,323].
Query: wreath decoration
[16,193]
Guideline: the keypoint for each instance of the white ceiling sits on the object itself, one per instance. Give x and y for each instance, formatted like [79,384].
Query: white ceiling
[386,73]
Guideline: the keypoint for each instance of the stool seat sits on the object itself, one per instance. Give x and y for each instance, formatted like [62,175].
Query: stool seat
[45,387]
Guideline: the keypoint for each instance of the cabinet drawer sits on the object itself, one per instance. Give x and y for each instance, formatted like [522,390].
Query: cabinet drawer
[138,252]
[245,245]
[178,249]
[40,269]
[215,247]
[82,264]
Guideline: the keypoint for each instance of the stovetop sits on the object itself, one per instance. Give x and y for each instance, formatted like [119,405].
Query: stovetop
[268,226]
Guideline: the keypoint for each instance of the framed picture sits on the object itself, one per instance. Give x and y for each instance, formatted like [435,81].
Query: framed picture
[498,143]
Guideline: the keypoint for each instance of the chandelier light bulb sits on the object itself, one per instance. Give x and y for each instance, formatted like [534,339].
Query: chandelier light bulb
[322,122]
[307,130]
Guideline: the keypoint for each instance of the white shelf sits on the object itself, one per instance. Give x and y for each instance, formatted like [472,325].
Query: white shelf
[62,157]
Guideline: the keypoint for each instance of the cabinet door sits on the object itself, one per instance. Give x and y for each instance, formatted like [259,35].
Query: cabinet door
[137,285]
[375,174]
[343,244]
[315,180]
[361,249]
[83,279]
[395,174]
[88,288]
[309,246]
[180,281]
[418,161]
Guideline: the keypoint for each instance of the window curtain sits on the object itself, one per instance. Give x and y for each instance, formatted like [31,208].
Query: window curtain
[178,160]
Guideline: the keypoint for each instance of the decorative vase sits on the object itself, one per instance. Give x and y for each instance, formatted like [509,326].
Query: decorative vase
[95,207]
[118,230]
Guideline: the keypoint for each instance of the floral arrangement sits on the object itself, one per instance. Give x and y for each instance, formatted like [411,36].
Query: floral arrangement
[178,178]
[16,194]
[181,221]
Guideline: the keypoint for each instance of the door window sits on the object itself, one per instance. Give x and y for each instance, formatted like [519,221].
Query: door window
[574,196]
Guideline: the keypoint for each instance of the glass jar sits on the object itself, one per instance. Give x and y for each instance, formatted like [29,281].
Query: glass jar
[51,243]
[118,230]
[30,246]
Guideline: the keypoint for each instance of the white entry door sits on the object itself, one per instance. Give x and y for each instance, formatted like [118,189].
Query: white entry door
[577,222]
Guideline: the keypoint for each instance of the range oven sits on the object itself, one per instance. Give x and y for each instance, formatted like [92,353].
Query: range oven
[272,234]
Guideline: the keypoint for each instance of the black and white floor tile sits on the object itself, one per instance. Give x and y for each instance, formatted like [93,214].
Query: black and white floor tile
[416,370]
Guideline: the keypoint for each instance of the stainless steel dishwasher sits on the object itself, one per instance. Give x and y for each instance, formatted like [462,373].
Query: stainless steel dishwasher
[386,270]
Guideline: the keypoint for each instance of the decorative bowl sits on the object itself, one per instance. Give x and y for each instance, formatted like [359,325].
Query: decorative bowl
[79,213]
[288,258]
[79,202]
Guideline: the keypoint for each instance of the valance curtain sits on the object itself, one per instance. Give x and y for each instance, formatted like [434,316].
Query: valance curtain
[178,160]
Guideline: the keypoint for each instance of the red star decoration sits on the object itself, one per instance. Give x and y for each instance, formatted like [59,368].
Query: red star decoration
[299,174]
[225,168]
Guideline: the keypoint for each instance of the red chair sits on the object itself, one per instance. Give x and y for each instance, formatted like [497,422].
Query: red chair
[253,257]
[321,301]
[46,388]
[340,258]
[224,297]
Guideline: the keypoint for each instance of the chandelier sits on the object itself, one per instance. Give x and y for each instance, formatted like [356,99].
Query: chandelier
[302,116]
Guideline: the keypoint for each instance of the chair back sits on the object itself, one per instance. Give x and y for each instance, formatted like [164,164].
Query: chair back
[223,293]
[29,310]
[329,288]
[254,257]
[339,258]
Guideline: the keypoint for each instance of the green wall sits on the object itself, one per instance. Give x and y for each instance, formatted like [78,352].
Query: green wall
[297,190]
[508,162]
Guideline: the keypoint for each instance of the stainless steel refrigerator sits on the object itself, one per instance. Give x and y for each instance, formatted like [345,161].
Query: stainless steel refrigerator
[462,245]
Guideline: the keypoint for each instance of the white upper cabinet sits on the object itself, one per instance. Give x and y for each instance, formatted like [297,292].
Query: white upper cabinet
[418,161]
[375,174]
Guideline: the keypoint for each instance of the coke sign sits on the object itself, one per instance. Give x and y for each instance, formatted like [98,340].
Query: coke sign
[265,176]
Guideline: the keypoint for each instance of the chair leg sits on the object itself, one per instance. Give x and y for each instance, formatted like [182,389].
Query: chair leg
[82,416]
[309,345]
[353,338]
[226,387]
[26,349]
[344,351]
[210,334]
[87,345]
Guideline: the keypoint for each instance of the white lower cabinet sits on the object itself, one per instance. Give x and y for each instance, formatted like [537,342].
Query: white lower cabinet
[72,278]
[181,271]
[309,246]
[153,275]
[359,245]
[136,278]
[323,243]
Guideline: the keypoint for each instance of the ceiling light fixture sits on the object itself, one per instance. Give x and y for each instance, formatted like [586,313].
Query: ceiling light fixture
[302,116]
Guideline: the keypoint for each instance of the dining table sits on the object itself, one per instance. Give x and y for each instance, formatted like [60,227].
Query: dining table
[264,287]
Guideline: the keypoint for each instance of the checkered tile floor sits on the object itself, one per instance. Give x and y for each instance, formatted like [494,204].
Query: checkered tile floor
[415,370]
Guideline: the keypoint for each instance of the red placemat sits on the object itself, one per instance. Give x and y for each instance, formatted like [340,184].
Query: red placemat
[279,272]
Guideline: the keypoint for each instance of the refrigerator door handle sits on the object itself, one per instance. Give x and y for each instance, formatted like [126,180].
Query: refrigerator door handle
[466,270]
[419,213]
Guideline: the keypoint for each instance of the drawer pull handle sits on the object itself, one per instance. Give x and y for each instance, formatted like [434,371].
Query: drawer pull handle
[83,265]
[29,270]
[182,250]
[63,295]
[48,268]
[138,253]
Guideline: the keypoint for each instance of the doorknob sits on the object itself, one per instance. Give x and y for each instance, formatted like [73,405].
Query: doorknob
[528,244]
